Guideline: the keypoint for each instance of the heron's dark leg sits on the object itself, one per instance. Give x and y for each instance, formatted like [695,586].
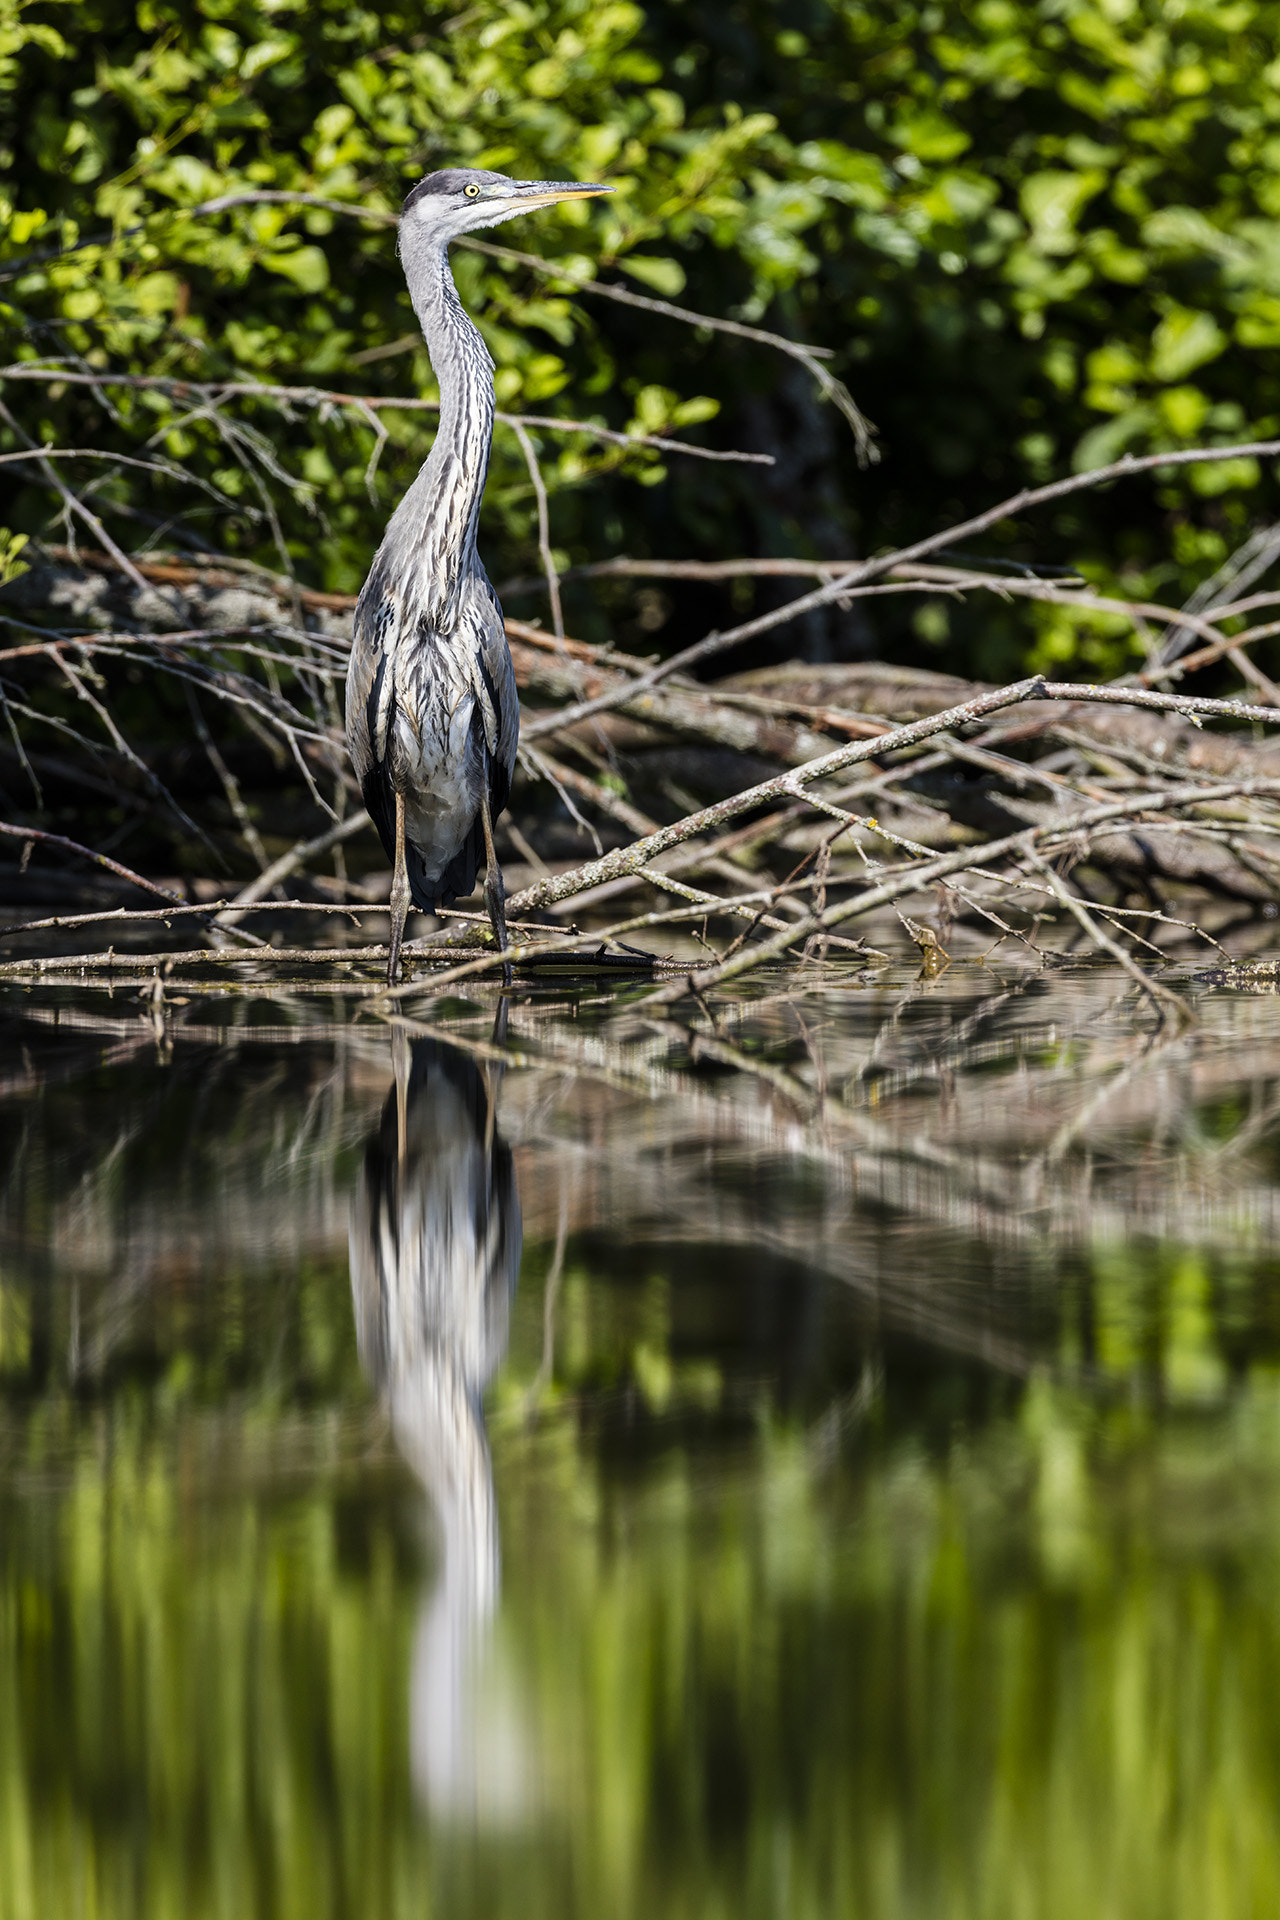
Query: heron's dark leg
[399,895]
[495,895]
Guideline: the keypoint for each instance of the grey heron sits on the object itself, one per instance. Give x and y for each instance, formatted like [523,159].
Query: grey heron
[432,715]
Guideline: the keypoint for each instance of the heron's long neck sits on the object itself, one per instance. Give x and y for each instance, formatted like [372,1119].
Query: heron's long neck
[438,515]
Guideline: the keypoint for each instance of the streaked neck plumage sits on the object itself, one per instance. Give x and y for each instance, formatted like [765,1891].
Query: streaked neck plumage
[433,530]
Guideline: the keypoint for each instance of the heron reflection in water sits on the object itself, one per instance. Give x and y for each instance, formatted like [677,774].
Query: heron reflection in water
[435,1238]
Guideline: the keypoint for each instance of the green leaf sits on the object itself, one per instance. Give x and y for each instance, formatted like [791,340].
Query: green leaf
[23,225]
[664,276]
[1185,409]
[1102,445]
[690,412]
[1186,230]
[1052,202]
[307,267]
[11,545]
[1183,341]
[1223,476]
[929,135]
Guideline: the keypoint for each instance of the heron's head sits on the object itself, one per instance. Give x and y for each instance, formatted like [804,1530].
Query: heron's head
[460,200]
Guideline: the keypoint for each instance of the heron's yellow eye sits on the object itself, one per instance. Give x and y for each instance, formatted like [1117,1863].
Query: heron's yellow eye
[471,190]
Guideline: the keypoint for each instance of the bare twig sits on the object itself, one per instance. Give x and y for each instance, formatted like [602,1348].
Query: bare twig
[41,838]
[212,395]
[288,863]
[544,528]
[810,358]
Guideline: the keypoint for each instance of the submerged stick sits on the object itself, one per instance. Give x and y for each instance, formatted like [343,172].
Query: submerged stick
[1166,1004]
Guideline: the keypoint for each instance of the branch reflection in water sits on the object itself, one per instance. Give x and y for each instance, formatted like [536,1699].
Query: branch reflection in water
[435,1238]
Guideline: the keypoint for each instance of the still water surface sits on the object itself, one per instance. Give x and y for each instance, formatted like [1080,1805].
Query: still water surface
[828,1465]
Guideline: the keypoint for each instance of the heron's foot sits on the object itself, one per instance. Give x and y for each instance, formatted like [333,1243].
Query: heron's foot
[402,967]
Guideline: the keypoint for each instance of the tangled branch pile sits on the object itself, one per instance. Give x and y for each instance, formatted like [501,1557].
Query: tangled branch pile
[775,812]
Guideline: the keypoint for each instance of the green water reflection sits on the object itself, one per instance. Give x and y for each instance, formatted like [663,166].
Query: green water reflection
[888,1500]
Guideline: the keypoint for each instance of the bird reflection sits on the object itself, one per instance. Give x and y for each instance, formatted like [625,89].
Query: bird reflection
[435,1238]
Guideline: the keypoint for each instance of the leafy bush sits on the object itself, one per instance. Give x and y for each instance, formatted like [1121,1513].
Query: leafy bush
[1037,233]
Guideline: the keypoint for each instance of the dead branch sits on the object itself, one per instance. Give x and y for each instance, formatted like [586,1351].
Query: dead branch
[212,396]
[37,837]
[297,857]
[631,859]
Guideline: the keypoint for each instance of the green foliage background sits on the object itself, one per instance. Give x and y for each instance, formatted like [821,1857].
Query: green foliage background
[1037,233]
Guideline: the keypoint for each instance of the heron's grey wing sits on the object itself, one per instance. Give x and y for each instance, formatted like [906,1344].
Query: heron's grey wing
[499,701]
[371,703]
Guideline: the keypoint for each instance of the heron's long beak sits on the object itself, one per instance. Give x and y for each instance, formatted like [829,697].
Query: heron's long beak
[542,193]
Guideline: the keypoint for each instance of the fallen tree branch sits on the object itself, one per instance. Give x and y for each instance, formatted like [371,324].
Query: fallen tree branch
[630,859]
[869,570]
